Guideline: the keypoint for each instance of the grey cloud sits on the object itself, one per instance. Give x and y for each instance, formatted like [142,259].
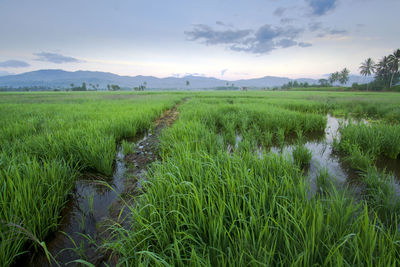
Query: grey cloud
[14,64]
[279,11]
[284,43]
[323,31]
[223,24]
[337,32]
[55,58]
[315,26]
[211,36]
[286,20]
[302,44]
[321,7]
[260,41]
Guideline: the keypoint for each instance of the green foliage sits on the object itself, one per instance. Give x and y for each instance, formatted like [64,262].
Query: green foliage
[127,147]
[46,140]
[205,207]
[377,139]
[301,155]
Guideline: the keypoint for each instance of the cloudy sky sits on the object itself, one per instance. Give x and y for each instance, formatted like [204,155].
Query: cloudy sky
[229,39]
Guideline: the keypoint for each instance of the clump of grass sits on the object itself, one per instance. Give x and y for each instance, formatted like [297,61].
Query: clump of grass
[301,155]
[377,139]
[280,137]
[127,147]
[359,160]
[268,136]
[380,194]
[323,181]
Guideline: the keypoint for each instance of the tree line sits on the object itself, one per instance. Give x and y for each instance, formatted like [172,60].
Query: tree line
[386,71]
[386,75]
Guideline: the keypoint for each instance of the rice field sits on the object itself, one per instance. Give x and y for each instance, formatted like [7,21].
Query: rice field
[243,178]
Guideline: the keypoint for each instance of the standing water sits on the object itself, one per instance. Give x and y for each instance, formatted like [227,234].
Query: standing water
[84,219]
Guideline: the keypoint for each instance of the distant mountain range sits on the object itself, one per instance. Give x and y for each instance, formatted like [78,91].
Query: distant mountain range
[64,79]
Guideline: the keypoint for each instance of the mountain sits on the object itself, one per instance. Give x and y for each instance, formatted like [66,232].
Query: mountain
[64,79]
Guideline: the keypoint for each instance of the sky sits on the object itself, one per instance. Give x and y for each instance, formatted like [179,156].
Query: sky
[226,39]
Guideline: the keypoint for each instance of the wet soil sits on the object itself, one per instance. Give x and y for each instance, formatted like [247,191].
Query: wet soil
[96,203]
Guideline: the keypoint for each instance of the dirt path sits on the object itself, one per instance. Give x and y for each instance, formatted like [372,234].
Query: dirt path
[138,162]
[106,204]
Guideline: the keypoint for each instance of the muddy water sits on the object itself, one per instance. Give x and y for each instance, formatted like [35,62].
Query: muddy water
[85,217]
[323,157]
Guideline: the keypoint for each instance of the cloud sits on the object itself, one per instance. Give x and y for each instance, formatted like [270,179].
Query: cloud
[223,72]
[337,32]
[286,20]
[55,58]
[302,44]
[279,11]
[315,26]
[211,36]
[323,31]
[321,7]
[260,41]
[223,24]
[14,64]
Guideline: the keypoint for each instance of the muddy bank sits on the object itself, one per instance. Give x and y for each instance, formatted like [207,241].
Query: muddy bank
[96,203]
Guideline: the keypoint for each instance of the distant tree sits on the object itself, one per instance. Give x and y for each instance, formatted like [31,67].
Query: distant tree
[145,84]
[383,72]
[108,87]
[227,84]
[187,83]
[295,84]
[367,68]
[115,87]
[323,82]
[394,61]
[84,87]
[334,77]
[344,76]
[233,85]
[72,85]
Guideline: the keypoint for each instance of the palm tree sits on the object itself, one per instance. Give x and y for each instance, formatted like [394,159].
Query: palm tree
[344,76]
[383,70]
[334,77]
[367,68]
[394,61]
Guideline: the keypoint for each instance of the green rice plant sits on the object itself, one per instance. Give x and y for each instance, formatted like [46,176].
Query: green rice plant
[377,139]
[127,147]
[359,160]
[46,140]
[301,155]
[324,184]
[380,194]
[268,138]
[205,207]
[280,137]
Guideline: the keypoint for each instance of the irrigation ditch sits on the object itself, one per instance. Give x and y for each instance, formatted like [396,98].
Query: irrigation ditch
[97,202]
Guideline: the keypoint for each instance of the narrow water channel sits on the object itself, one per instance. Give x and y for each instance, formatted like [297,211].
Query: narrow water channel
[85,217]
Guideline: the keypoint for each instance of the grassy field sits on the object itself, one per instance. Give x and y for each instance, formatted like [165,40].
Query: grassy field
[224,193]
